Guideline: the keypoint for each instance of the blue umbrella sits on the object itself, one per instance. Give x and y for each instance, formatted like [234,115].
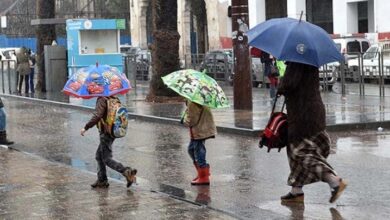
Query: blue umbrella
[294,40]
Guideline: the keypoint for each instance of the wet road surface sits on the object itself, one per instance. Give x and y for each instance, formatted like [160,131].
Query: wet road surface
[246,182]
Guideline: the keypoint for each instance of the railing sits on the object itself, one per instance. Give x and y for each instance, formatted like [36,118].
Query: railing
[358,72]
[8,75]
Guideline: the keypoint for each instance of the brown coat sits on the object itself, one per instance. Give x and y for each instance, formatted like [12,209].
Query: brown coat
[23,65]
[200,120]
[100,113]
[305,109]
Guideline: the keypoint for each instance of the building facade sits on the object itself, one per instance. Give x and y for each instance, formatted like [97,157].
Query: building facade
[338,17]
[335,16]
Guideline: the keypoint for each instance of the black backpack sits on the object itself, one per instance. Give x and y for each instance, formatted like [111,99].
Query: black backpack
[275,133]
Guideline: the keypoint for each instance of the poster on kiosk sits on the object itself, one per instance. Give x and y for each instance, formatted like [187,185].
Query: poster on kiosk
[92,41]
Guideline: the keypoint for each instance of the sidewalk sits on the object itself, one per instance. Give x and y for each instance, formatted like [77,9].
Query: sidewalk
[33,188]
[342,113]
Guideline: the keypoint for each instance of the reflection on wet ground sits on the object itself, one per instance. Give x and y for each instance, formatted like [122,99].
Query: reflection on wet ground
[32,188]
[246,182]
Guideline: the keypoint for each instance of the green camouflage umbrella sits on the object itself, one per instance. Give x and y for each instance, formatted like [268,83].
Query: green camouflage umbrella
[197,87]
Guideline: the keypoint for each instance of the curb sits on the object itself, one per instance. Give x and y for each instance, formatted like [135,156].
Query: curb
[221,129]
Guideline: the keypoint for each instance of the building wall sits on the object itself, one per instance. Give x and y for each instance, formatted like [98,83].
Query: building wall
[382,15]
[138,9]
[256,12]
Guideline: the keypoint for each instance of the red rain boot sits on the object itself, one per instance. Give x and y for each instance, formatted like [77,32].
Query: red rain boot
[203,174]
[197,171]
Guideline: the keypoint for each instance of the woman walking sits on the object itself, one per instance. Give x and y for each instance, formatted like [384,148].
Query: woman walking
[23,69]
[309,143]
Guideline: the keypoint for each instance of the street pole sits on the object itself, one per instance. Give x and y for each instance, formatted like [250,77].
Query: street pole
[242,77]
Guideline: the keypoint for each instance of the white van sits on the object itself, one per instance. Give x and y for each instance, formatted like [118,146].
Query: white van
[371,60]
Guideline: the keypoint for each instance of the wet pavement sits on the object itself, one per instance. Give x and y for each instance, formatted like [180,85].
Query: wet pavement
[342,113]
[246,182]
[33,188]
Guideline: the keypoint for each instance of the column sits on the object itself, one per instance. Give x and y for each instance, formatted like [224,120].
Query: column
[295,7]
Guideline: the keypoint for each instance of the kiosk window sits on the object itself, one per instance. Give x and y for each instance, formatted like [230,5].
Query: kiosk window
[98,41]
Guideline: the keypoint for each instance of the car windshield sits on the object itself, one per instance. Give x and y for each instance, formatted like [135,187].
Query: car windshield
[370,53]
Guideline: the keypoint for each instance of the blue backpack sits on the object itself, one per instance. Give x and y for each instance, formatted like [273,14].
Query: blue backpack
[117,120]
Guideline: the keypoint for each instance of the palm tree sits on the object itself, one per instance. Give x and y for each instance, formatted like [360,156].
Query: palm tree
[165,47]
[45,36]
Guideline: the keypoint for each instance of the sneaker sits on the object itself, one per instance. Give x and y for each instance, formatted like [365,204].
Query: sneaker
[297,198]
[130,176]
[337,191]
[100,184]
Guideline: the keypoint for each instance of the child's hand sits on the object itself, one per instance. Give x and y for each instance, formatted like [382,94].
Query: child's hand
[82,132]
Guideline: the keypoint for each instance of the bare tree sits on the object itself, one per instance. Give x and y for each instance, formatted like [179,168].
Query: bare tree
[165,48]
[45,36]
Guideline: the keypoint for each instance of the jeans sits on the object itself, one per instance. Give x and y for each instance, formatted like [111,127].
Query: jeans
[273,84]
[197,152]
[31,80]
[2,119]
[104,157]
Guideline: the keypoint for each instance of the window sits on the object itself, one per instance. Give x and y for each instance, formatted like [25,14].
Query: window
[370,53]
[365,46]
[275,9]
[98,41]
[320,12]
[353,47]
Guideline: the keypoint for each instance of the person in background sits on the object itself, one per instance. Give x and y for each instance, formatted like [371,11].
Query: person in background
[30,78]
[3,120]
[23,69]
[267,60]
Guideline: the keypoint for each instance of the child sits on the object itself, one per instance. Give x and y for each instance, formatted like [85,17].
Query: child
[104,151]
[201,123]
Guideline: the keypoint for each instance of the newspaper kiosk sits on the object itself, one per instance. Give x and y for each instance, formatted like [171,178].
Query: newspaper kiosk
[91,41]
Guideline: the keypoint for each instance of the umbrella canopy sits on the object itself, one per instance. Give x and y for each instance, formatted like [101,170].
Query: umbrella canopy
[197,87]
[294,40]
[97,80]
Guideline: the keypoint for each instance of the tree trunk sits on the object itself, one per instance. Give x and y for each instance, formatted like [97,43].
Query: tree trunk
[45,36]
[165,47]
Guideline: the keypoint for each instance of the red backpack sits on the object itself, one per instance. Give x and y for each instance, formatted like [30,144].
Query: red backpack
[275,133]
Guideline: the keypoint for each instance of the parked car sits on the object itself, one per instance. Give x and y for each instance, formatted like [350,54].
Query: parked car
[143,60]
[128,49]
[218,64]
[371,61]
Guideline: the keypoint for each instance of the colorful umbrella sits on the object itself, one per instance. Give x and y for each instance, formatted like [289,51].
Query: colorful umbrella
[197,87]
[97,80]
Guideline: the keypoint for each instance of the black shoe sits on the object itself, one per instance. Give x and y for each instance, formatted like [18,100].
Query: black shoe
[297,198]
[337,191]
[130,176]
[100,184]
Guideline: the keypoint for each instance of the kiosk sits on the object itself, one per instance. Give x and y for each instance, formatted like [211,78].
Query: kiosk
[92,41]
